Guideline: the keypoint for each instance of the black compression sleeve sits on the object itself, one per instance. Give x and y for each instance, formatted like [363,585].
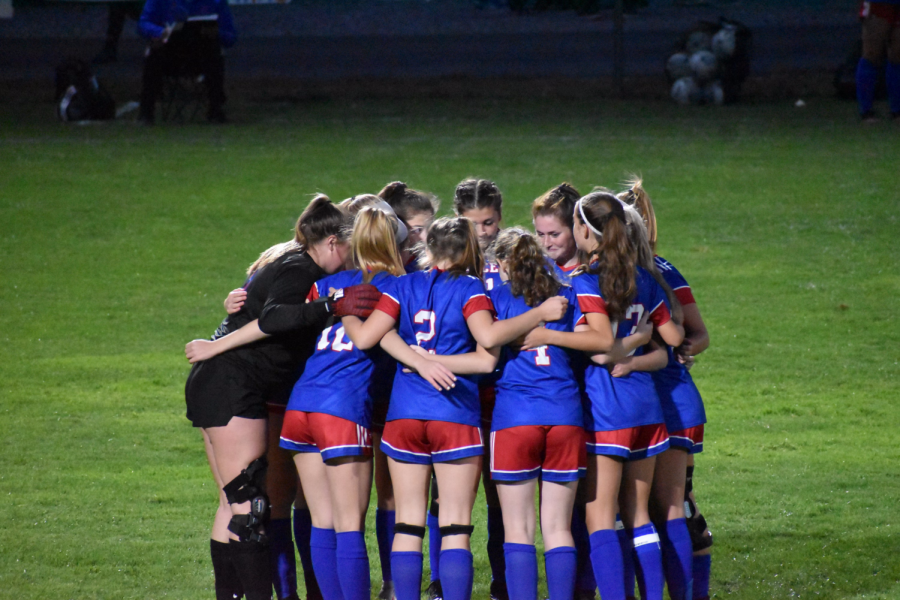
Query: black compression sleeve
[286,308]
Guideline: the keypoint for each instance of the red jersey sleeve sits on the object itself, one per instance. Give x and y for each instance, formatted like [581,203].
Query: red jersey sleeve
[389,306]
[478,302]
[590,303]
[313,293]
[684,295]
[660,315]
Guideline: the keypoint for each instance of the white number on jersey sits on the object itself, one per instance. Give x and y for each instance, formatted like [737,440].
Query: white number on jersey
[337,345]
[541,358]
[422,317]
[634,309]
[488,284]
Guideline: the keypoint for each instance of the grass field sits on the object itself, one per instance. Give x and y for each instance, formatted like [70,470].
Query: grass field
[119,243]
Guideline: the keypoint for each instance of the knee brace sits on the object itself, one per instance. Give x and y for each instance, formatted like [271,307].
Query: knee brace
[701,537]
[456,530]
[407,529]
[249,486]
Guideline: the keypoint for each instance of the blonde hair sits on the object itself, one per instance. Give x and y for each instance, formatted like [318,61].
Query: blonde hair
[319,220]
[373,245]
[637,197]
[453,239]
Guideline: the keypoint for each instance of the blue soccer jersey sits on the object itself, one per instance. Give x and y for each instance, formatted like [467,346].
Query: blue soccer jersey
[621,402]
[431,308]
[563,273]
[681,401]
[340,379]
[491,276]
[536,387]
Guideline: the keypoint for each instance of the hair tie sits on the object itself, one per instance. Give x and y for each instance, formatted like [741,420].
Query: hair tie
[585,219]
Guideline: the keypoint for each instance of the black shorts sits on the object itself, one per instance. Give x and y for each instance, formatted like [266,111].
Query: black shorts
[219,389]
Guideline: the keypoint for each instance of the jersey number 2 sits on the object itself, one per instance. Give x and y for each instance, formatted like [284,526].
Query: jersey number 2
[422,317]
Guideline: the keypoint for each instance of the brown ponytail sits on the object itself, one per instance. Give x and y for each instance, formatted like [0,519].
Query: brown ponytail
[637,197]
[558,202]
[614,260]
[529,272]
[453,240]
[319,220]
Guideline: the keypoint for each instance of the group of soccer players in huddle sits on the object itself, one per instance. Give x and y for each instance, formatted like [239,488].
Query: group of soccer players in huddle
[452,350]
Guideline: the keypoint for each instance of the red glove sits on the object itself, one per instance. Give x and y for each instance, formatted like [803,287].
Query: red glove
[358,300]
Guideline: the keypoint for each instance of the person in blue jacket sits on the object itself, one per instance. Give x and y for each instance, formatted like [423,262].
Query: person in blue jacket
[185,35]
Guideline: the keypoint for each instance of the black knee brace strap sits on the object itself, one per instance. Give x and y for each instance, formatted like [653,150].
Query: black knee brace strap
[249,484]
[407,529]
[701,537]
[457,530]
[689,482]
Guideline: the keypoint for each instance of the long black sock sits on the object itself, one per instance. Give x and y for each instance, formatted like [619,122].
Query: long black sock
[228,585]
[253,566]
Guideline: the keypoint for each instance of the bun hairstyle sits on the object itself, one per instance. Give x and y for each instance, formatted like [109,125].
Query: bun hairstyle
[637,197]
[407,202]
[319,220]
[453,240]
[373,245]
[558,202]
[614,260]
[474,194]
[526,265]
[640,239]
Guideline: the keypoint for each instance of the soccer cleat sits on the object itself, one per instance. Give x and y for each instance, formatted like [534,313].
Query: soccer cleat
[499,591]
[434,591]
[869,117]
[387,591]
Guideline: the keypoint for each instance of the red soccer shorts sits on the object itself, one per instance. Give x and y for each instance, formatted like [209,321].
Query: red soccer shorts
[633,443]
[555,452]
[427,442]
[329,435]
[690,439]
[884,10]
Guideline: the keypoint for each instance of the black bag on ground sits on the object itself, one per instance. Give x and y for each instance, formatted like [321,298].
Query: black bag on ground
[79,96]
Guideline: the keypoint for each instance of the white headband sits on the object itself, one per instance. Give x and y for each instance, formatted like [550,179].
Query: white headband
[584,219]
[402,231]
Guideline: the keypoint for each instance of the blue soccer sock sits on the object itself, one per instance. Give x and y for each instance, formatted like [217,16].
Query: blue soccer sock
[626,545]
[384,533]
[649,562]
[560,564]
[702,568]
[457,573]
[866,79]
[434,546]
[606,558]
[677,560]
[323,544]
[302,533]
[353,565]
[495,548]
[284,565]
[584,574]
[406,568]
[892,75]
[522,571]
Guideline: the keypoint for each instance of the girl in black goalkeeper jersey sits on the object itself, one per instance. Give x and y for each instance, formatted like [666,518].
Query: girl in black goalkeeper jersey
[254,357]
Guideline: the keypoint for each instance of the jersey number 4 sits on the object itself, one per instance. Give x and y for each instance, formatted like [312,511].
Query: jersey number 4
[337,345]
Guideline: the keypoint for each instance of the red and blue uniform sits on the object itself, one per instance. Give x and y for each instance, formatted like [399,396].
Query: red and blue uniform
[623,415]
[491,276]
[330,407]
[425,425]
[538,421]
[681,401]
[564,273]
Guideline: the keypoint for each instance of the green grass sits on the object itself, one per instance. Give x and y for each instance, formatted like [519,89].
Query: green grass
[118,245]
